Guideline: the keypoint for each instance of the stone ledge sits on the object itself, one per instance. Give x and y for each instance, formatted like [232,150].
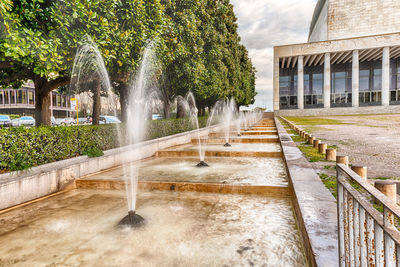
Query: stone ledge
[315,207]
[22,186]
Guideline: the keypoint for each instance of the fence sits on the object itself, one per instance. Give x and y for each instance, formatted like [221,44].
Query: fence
[368,223]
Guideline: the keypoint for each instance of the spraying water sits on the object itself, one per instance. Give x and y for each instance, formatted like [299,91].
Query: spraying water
[90,80]
[228,113]
[142,98]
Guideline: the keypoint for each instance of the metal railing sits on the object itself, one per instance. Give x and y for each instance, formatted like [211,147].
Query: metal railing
[367,221]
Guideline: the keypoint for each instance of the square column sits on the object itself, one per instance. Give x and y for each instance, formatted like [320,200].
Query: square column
[327,80]
[276,83]
[355,80]
[300,83]
[385,76]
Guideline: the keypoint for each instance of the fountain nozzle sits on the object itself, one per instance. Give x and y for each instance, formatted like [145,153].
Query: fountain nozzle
[227,144]
[202,164]
[132,220]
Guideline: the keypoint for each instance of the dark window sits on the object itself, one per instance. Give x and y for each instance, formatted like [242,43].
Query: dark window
[288,88]
[12,96]
[1,97]
[313,86]
[31,97]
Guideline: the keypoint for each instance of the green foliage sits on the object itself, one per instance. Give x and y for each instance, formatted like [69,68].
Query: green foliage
[93,152]
[23,147]
[330,183]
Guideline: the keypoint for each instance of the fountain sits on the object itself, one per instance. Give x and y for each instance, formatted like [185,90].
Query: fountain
[190,109]
[227,113]
[239,117]
[90,82]
[141,99]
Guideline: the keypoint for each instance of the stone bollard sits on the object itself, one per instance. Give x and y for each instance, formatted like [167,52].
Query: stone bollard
[330,154]
[388,188]
[316,143]
[311,140]
[360,170]
[342,159]
[322,148]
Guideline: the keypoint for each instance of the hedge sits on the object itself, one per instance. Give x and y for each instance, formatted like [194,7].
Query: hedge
[22,148]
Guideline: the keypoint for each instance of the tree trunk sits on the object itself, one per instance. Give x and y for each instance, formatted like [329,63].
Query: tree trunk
[123,101]
[42,108]
[180,108]
[166,109]
[96,102]
[43,87]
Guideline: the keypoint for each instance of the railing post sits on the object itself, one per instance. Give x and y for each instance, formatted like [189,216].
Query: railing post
[379,246]
[370,240]
[357,243]
[340,204]
[390,247]
[350,209]
[363,237]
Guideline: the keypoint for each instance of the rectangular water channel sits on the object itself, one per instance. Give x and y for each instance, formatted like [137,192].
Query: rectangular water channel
[78,228]
[229,170]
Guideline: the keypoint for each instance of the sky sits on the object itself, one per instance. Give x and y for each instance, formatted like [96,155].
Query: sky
[264,24]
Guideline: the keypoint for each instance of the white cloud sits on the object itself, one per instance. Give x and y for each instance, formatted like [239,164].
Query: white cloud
[267,23]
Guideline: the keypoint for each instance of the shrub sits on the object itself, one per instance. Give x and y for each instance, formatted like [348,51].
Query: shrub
[22,148]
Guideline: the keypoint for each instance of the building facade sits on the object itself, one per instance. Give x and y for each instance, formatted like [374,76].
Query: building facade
[22,102]
[351,63]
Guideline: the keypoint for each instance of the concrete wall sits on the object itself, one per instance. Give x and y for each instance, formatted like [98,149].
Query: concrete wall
[341,19]
[320,30]
[362,17]
[23,186]
[338,111]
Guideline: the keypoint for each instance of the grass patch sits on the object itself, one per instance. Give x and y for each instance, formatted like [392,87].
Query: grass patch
[385,178]
[317,128]
[330,167]
[311,153]
[329,182]
[314,121]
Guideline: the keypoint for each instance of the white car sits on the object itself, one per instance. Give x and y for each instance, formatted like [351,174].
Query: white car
[108,119]
[24,121]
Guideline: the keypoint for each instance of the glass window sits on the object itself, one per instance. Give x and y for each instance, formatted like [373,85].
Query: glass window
[364,80]
[58,101]
[284,85]
[377,79]
[31,98]
[307,86]
[6,97]
[339,82]
[54,96]
[24,98]
[317,83]
[12,96]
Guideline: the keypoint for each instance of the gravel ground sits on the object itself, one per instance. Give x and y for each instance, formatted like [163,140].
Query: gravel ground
[372,141]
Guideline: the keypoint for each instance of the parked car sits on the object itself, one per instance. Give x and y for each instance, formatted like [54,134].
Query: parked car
[24,121]
[68,121]
[59,121]
[108,119]
[82,120]
[156,117]
[5,120]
